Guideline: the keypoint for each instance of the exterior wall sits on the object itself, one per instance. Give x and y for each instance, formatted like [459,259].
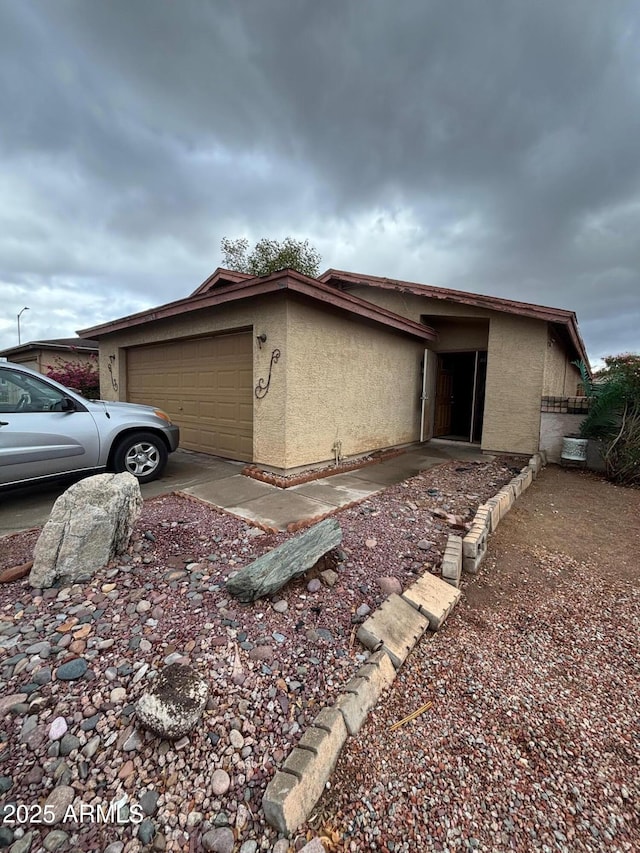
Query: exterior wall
[515,370]
[261,315]
[516,357]
[561,378]
[42,359]
[349,382]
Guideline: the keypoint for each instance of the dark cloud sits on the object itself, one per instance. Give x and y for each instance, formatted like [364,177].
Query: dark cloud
[490,147]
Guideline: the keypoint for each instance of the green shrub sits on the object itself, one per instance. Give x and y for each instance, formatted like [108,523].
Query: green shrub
[614,415]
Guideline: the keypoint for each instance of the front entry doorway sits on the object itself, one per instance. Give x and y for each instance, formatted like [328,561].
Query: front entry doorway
[460,390]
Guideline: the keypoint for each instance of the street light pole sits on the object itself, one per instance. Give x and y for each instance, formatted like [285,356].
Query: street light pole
[26,308]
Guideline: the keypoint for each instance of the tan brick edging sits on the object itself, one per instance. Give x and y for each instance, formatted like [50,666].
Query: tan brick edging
[486,520]
[390,633]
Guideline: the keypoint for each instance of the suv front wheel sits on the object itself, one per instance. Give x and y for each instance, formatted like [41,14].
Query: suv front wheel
[142,454]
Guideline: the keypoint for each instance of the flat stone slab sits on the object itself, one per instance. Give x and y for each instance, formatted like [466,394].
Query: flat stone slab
[395,627]
[294,557]
[433,598]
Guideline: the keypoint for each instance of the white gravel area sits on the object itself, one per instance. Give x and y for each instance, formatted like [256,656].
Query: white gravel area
[271,666]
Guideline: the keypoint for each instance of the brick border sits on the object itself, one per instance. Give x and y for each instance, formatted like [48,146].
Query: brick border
[390,632]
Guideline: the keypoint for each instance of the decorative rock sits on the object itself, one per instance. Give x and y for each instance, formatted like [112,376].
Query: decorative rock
[6,783]
[280,606]
[175,702]
[133,742]
[8,702]
[218,840]
[291,559]
[363,610]
[15,573]
[22,845]
[149,802]
[146,831]
[90,524]
[115,847]
[249,847]
[371,543]
[236,739]
[57,728]
[58,802]
[71,670]
[68,744]
[55,839]
[329,577]
[220,782]
[117,695]
[314,585]
[389,584]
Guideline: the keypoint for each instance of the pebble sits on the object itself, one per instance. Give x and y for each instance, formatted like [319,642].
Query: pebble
[55,839]
[146,831]
[6,783]
[72,670]
[58,801]
[57,728]
[133,742]
[149,802]
[281,606]
[314,585]
[218,840]
[68,743]
[220,782]
[117,695]
[23,844]
[236,739]
[363,610]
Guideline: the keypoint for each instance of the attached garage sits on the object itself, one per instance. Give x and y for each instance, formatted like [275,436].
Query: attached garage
[206,386]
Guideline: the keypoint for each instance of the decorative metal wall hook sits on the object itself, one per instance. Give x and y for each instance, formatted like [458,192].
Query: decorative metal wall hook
[262,388]
[112,360]
[261,338]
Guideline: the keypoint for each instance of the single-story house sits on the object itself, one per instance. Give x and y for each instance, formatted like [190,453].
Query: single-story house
[42,355]
[287,371]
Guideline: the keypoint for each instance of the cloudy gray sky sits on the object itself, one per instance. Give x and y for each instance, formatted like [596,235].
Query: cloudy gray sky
[486,145]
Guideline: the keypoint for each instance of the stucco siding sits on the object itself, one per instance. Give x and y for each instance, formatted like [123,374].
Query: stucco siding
[561,378]
[515,371]
[260,315]
[348,382]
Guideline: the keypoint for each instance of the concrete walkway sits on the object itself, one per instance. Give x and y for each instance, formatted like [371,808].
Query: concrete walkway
[277,508]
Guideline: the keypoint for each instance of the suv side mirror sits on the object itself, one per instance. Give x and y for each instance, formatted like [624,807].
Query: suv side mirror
[67,405]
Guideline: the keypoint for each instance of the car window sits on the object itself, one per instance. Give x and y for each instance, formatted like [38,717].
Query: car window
[22,393]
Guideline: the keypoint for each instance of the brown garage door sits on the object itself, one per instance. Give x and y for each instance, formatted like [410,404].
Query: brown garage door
[206,386]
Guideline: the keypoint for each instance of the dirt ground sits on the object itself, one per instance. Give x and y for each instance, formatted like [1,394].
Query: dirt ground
[570,512]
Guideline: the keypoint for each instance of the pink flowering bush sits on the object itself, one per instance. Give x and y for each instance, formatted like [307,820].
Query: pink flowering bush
[82,377]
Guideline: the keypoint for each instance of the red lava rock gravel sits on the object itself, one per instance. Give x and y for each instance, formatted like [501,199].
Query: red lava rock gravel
[77,658]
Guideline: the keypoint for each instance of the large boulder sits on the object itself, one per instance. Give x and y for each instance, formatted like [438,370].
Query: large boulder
[175,702]
[90,524]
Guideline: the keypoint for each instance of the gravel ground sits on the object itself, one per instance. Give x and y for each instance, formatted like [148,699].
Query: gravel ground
[271,666]
[533,738]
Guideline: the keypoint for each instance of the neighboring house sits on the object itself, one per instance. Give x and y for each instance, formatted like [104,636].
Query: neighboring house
[41,355]
[285,370]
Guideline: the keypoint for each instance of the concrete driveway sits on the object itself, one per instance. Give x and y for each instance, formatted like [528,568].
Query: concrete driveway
[21,509]
[220,483]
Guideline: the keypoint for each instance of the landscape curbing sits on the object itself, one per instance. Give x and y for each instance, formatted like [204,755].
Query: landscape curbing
[390,632]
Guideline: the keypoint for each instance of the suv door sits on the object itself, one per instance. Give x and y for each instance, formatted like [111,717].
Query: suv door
[40,434]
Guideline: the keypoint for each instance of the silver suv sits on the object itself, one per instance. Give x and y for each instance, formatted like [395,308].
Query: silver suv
[47,430]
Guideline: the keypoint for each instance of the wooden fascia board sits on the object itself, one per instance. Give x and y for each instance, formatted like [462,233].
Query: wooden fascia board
[260,287]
